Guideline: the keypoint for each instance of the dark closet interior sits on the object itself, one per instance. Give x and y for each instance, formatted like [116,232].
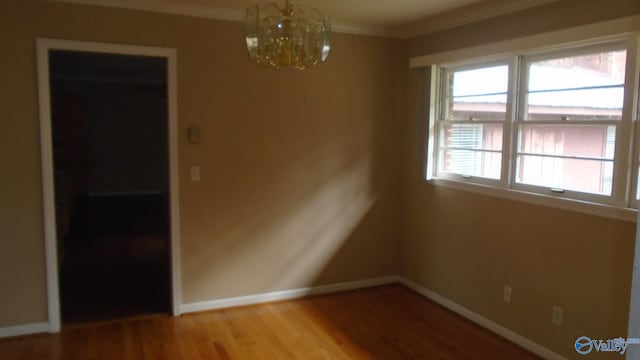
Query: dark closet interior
[110,146]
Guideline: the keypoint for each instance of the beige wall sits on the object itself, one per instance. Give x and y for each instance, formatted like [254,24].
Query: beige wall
[467,246]
[299,169]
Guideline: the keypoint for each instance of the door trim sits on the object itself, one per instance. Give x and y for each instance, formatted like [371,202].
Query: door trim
[43,46]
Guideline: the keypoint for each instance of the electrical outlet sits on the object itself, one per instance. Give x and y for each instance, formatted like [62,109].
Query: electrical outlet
[506,295]
[557,315]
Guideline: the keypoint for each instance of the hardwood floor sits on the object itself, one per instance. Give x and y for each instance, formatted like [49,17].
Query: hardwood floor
[388,322]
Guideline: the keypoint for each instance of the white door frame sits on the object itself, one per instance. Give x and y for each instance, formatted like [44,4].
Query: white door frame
[43,47]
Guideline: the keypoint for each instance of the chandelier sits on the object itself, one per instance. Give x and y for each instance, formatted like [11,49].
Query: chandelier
[292,36]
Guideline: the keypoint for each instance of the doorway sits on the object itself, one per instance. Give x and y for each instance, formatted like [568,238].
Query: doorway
[109,174]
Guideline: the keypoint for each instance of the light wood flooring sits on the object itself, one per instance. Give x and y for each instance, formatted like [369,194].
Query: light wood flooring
[388,322]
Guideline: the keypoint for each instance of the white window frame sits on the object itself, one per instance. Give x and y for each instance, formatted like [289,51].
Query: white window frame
[622,203]
[439,105]
[619,190]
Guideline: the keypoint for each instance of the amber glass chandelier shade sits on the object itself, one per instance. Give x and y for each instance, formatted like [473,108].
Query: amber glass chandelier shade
[290,36]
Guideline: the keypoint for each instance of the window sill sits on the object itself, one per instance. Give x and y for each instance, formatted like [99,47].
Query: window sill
[608,211]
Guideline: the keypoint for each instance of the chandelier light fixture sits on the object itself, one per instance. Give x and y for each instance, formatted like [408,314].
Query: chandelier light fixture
[292,36]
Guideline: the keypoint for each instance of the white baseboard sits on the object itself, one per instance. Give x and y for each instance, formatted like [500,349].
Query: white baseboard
[286,294]
[484,322]
[26,329]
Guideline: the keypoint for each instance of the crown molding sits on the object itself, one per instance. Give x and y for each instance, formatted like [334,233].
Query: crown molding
[211,12]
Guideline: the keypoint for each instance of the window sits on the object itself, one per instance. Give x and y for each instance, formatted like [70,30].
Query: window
[472,121]
[555,123]
[567,124]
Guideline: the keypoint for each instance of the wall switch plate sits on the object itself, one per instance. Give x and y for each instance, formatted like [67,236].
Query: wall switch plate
[195,173]
[506,295]
[194,134]
[557,315]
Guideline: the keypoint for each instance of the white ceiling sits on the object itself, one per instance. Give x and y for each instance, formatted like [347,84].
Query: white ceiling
[399,18]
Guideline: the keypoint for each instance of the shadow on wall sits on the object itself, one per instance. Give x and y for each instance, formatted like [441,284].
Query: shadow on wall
[301,184]
[289,240]
[313,213]
[302,194]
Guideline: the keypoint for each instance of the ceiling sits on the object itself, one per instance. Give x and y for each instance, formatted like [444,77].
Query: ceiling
[398,18]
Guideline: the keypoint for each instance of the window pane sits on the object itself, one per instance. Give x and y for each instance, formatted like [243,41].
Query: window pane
[596,141]
[479,94]
[472,136]
[471,163]
[591,176]
[580,87]
[492,107]
[592,104]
